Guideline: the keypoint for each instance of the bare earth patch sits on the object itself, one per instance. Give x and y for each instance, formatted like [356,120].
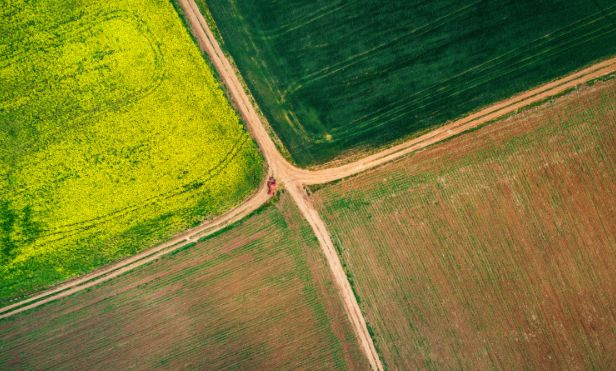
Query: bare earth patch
[493,249]
[257,296]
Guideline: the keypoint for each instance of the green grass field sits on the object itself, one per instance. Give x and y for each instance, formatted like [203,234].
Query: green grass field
[256,296]
[337,76]
[114,134]
[495,249]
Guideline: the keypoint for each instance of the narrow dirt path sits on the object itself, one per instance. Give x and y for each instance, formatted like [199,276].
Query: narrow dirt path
[299,195]
[485,115]
[294,179]
[284,172]
[114,270]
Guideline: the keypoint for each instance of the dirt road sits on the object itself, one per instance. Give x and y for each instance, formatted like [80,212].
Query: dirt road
[114,270]
[493,112]
[294,179]
[284,172]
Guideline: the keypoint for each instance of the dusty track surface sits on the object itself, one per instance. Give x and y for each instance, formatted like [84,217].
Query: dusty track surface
[284,172]
[294,179]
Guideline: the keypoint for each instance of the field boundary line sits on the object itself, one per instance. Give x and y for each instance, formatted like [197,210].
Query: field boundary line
[283,170]
[181,240]
[349,301]
[295,179]
[490,113]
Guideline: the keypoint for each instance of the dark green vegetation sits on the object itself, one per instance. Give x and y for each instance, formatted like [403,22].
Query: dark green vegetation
[256,296]
[114,135]
[495,249]
[333,76]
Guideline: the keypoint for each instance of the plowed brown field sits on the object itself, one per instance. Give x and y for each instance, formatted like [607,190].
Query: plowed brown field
[257,296]
[493,249]
[294,179]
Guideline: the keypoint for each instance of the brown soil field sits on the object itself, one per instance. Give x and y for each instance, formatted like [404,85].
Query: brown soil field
[494,249]
[258,296]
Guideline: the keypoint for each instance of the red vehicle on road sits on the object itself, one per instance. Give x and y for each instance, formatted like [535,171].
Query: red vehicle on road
[271,186]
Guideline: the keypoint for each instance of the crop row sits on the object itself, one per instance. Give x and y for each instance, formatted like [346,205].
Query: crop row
[494,249]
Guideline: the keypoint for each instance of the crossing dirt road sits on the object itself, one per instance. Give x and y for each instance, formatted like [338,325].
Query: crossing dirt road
[294,179]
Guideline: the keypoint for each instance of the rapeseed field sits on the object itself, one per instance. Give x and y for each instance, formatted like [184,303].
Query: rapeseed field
[114,135]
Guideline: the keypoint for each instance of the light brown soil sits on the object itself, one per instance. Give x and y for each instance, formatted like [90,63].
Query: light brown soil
[261,305]
[495,249]
[295,178]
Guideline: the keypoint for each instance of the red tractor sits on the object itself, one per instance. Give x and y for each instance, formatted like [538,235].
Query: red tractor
[271,186]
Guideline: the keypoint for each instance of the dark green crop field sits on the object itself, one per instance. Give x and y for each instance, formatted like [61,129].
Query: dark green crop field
[333,76]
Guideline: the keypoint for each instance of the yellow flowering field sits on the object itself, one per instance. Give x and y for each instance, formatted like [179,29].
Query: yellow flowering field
[114,135]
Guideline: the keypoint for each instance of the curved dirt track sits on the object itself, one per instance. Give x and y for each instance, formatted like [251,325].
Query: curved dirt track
[295,178]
